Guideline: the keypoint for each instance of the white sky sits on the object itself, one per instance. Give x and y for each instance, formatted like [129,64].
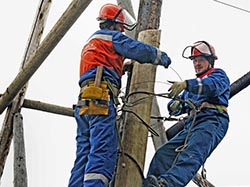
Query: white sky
[50,138]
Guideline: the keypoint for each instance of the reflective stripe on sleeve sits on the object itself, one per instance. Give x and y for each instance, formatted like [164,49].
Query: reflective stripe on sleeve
[158,57]
[96,176]
[101,36]
[200,85]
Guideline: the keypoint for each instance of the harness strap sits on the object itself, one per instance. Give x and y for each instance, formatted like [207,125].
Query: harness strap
[115,92]
[112,87]
[98,76]
[220,108]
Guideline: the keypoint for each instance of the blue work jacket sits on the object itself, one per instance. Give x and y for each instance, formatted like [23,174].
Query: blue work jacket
[213,88]
[125,47]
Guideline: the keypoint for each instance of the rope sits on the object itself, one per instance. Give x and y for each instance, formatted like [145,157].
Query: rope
[185,144]
[201,179]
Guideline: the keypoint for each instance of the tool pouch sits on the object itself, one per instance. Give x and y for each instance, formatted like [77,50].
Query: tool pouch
[94,100]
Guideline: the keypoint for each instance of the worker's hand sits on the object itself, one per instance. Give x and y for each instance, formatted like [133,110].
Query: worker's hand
[127,66]
[176,88]
[175,106]
[164,60]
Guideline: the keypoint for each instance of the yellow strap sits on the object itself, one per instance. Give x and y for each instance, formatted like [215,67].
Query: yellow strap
[98,76]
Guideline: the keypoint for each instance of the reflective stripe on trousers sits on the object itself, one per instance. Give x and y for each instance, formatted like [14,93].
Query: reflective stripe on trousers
[96,176]
[96,149]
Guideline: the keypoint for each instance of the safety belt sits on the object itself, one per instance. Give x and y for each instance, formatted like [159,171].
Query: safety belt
[94,97]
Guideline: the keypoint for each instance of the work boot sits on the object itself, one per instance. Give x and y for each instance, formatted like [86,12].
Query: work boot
[151,181]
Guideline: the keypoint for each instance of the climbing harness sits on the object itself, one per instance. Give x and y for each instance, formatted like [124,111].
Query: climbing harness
[206,105]
[94,96]
[200,180]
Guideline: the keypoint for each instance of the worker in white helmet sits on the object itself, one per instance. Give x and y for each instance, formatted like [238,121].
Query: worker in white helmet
[205,99]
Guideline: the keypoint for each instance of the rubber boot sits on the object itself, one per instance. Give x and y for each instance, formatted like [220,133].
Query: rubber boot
[150,181]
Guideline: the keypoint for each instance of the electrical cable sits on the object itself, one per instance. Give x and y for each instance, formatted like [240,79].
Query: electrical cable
[233,6]
[176,73]
[134,161]
[127,107]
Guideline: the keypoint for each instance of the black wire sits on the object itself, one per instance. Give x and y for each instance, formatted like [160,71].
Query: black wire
[143,122]
[134,161]
[150,94]
[233,6]
[126,107]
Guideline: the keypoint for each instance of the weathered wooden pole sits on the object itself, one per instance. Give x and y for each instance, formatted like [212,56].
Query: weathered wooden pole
[20,173]
[47,107]
[134,139]
[51,40]
[33,43]
[157,125]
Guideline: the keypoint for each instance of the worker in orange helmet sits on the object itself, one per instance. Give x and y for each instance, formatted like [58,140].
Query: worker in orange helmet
[101,69]
[205,100]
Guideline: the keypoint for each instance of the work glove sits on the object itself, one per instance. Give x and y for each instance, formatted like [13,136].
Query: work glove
[176,88]
[164,61]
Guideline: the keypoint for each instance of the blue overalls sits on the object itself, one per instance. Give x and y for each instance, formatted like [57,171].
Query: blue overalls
[208,129]
[97,142]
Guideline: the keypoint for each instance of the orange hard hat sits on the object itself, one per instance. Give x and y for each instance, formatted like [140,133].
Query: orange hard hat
[116,14]
[111,11]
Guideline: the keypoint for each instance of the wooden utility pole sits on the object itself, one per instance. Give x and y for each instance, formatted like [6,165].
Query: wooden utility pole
[20,173]
[157,126]
[51,40]
[15,107]
[134,138]
[18,86]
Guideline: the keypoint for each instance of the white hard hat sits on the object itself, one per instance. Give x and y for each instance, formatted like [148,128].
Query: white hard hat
[200,48]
